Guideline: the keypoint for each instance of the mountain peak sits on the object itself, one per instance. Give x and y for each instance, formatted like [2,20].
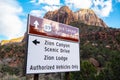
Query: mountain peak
[86,11]
[65,15]
[89,17]
[64,9]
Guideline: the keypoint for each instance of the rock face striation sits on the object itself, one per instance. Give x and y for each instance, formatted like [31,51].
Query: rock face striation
[88,16]
[65,15]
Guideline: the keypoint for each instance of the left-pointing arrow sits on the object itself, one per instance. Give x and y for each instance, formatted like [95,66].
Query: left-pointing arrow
[36,42]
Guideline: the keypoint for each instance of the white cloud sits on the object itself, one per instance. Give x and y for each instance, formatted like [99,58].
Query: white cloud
[33,1]
[78,3]
[48,2]
[118,0]
[37,13]
[10,24]
[50,8]
[49,5]
[102,8]
[40,13]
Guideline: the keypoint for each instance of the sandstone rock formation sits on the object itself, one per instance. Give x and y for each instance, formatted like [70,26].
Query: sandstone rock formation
[65,15]
[12,40]
[88,16]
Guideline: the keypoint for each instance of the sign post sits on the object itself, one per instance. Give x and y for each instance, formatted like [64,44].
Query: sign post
[67,76]
[36,76]
[52,47]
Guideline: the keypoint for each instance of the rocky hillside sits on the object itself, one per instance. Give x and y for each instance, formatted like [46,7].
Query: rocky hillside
[99,49]
[65,15]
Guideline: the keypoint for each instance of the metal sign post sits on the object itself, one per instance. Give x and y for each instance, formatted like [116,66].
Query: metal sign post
[36,76]
[67,76]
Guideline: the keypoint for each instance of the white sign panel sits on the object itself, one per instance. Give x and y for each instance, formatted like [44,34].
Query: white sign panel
[50,55]
[49,52]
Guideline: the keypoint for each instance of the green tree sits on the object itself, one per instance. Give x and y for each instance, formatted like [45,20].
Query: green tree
[87,72]
[115,66]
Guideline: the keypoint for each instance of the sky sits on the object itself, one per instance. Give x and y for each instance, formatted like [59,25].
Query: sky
[14,13]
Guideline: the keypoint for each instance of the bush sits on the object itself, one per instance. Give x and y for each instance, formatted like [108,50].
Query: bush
[87,72]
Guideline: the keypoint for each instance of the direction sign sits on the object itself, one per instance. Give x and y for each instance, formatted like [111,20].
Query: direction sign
[52,47]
